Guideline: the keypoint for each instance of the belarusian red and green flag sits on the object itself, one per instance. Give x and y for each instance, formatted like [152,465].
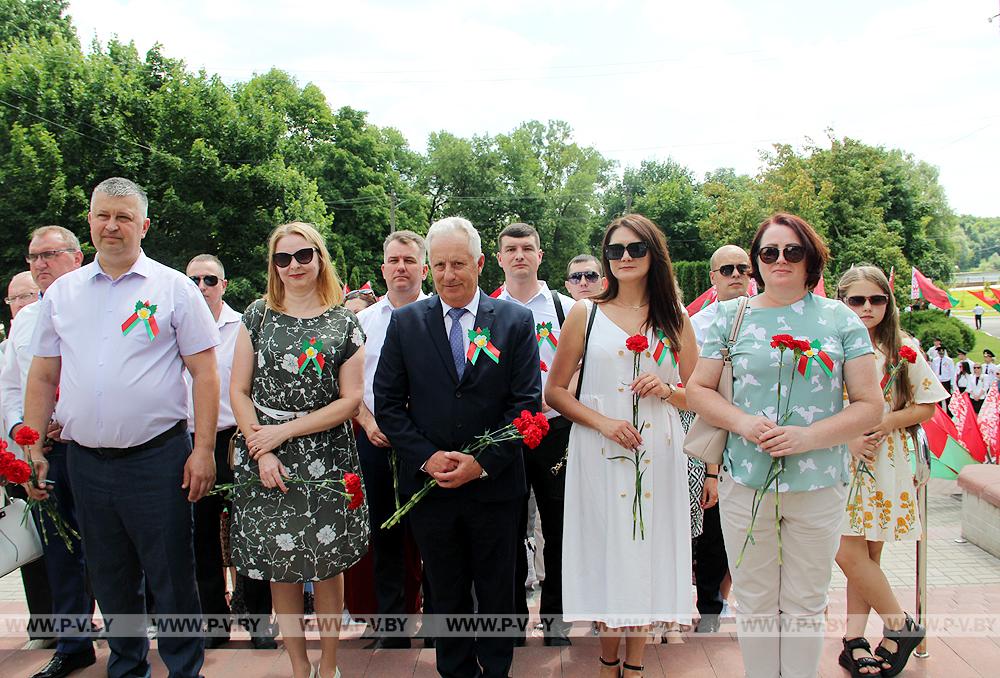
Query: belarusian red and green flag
[921,286]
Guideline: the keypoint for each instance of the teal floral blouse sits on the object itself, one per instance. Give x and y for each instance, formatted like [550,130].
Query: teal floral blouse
[836,335]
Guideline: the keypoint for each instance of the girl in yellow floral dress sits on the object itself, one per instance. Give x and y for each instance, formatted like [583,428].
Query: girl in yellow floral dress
[883,508]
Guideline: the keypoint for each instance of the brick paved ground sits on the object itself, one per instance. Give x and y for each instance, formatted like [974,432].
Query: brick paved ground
[963,580]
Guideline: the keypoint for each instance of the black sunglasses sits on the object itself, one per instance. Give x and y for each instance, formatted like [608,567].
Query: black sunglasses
[875,300]
[793,254]
[210,280]
[727,269]
[636,250]
[591,276]
[284,259]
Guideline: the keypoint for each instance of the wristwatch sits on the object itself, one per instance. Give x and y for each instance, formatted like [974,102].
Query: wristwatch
[484,474]
[673,390]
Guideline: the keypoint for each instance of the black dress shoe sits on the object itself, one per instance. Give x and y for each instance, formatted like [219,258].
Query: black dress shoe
[557,640]
[429,642]
[63,664]
[213,642]
[263,643]
[389,643]
[519,641]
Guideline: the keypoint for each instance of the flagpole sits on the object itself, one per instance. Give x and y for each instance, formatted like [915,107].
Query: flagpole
[923,451]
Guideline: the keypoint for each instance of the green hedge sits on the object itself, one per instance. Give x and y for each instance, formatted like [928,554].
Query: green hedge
[927,325]
[692,276]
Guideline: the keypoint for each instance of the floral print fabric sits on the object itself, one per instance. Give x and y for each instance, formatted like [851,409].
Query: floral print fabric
[307,534]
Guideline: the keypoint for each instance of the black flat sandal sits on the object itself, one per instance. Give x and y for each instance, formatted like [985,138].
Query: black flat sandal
[615,663]
[854,665]
[629,667]
[907,639]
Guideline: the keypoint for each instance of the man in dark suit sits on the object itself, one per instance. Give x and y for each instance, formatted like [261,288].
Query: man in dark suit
[431,401]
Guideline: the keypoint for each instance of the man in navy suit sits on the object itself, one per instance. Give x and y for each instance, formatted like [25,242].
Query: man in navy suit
[431,400]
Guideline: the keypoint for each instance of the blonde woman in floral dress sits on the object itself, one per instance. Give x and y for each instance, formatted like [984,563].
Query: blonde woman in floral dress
[883,507]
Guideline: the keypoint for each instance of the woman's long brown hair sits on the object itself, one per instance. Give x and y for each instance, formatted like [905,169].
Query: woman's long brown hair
[888,335]
[664,311]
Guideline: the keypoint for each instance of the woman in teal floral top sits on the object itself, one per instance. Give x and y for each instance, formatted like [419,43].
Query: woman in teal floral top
[781,576]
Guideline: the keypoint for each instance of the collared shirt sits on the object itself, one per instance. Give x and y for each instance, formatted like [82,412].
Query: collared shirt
[544,311]
[374,323]
[16,363]
[942,365]
[229,329]
[989,374]
[702,320]
[11,445]
[468,320]
[122,382]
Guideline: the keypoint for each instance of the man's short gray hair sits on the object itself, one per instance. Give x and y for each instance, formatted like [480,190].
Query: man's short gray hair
[584,259]
[67,236]
[120,187]
[456,225]
[407,238]
[211,258]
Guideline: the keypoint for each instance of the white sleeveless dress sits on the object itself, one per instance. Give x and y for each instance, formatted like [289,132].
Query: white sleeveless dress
[607,575]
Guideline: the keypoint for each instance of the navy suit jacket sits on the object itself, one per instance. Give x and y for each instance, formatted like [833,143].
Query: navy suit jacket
[422,406]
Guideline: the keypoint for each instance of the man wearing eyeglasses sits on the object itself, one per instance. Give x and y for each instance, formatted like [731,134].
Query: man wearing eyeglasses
[730,275]
[114,337]
[21,292]
[207,272]
[53,251]
[584,277]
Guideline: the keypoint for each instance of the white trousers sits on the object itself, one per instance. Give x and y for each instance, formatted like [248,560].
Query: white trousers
[780,607]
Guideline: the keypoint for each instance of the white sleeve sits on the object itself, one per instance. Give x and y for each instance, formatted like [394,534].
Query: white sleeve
[11,395]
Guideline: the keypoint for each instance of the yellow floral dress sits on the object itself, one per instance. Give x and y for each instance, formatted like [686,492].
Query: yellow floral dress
[885,508]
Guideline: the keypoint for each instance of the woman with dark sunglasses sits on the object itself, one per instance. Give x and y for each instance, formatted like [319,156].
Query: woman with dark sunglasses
[883,507]
[625,572]
[786,451]
[297,380]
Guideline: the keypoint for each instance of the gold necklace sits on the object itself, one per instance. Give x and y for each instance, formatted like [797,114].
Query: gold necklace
[634,308]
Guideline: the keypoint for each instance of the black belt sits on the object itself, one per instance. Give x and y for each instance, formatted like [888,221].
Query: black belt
[560,422]
[156,441]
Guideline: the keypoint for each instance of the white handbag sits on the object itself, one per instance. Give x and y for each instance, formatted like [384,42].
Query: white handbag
[19,540]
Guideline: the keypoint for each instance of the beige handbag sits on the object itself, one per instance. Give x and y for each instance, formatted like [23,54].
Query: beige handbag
[704,441]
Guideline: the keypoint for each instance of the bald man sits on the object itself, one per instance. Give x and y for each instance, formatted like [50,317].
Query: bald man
[730,275]
[21,291]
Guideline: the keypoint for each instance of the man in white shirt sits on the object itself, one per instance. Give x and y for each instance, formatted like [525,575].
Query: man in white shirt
[404,268]
[585,276]
[53,251]
[207,272]
[519,255]
[943,366]
[730,275]
[989,369]
[978,311]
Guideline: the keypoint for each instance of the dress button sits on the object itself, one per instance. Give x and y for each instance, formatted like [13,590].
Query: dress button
[458,426]
[458,394]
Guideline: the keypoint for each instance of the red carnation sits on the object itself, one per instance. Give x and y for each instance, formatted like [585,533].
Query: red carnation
[542,423]
[6,459]
[357,499]
[783,341]
[637,343]
[352,482]
[908,354]
[18,472]
[26,436]
[803,345]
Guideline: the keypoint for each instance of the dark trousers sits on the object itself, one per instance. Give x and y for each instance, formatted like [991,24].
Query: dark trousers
[35,579]
[388,546]
[710,565]
[550,494]
[67,570]
[979,322]
[135,517]
[469,545]
[209,567]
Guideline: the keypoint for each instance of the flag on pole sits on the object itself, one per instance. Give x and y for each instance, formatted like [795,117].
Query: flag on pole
[921,286]
[996,292]
[752,289]
[892,278]
[820,289]
[989,420]
[968,427]
[938,429]
[982,297]
[497,292]
[703,300]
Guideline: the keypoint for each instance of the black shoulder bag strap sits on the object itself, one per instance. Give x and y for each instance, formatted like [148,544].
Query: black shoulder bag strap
[557,303]
[586,340]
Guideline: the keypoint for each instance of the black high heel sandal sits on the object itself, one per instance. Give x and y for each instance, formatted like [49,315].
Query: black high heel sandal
[854,665]
[615,663]
[906,639]
[629,667]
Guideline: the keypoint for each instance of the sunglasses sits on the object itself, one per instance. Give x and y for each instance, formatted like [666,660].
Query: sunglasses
[727,269]
[636,250]
[577,278]
[210,280]
[284,259]
[793,254]
[875,300]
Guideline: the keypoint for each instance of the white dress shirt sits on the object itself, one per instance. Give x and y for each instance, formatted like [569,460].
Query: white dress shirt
[11,445]
[229,329]
[468,320]
[16,363]
[374,323]
[544,311]
[115,389]
[943,366]
[702,320]
[989,374]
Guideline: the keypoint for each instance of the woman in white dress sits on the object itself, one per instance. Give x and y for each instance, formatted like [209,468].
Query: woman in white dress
[626,553]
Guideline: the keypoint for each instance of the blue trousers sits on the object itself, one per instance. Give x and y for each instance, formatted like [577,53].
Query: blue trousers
[67,570]
[134,518]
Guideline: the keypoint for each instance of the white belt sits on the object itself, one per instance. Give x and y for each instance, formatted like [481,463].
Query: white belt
[280,415]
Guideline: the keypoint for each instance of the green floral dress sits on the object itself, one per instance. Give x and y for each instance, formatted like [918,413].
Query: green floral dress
[839,337]
[307,534]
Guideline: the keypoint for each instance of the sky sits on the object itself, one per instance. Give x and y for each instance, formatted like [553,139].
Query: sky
[707,83]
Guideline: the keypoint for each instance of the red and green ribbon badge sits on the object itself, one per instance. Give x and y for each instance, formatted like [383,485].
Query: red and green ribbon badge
[662,348]
[311,355]
[144,315]
[479,342]
[815,355]
[543,333]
